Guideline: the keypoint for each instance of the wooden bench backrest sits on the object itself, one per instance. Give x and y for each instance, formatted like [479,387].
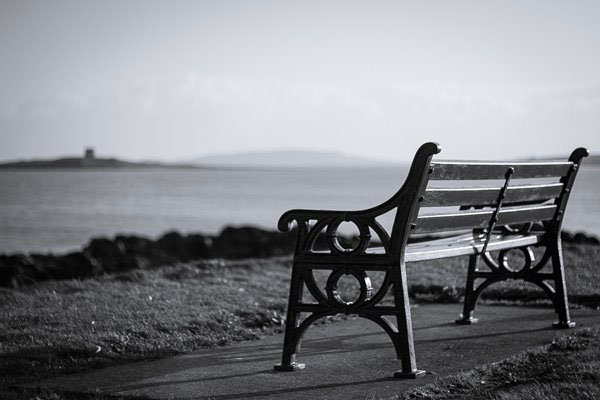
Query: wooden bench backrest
[534,191]
[487,194]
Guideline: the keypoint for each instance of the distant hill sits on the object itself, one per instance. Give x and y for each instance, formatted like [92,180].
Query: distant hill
[268,159]
[273,159]
[593,159]
[288,158]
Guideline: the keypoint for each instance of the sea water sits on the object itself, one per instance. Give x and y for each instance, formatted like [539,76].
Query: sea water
[60,210]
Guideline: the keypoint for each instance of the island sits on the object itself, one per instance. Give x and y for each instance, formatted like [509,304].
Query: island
[89,160]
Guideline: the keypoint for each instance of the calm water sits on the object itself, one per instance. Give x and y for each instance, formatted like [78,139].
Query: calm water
[60,210]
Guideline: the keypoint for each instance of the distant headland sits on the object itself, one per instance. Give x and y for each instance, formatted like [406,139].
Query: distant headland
[89,160]
[252,160]
[235,161]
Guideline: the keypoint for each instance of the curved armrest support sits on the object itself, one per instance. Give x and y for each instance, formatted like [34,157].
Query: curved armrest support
[303,216]
[329,221]
[365,220]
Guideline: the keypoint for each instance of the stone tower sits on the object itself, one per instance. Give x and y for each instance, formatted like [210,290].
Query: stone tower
[88,157]
[89,153]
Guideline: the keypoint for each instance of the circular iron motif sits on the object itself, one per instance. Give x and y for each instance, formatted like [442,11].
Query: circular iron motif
[333,295]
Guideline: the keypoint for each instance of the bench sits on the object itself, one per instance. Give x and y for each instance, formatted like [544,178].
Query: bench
[477,209]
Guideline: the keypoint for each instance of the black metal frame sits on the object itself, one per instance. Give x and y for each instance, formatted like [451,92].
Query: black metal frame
[500,270]
[357,262]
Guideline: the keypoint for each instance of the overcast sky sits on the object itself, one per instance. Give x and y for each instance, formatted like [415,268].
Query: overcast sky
[175,80]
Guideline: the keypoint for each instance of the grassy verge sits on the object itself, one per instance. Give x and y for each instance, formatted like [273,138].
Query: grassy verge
[59,327]
[444,280]
[569,368]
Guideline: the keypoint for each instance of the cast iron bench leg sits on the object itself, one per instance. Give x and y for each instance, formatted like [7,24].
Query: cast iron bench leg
[290,341]
[466,318]
[561,302]
[404,321]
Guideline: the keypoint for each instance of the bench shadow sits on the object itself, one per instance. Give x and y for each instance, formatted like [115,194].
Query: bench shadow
[264,392]
[326,343]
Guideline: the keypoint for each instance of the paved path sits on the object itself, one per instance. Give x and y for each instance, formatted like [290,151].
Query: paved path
[348,360]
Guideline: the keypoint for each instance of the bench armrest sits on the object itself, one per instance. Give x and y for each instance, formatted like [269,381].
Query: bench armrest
[303,216]
[328,221]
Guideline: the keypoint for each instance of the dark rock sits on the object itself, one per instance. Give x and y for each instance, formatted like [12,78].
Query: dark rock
[106,252]
[102,248]
[20,269]
[76,265]
[198,246]
[251,242]
[8,271]
[130,262]
[579,238]
[567,237]
[582,238]
[136,244]
[174,244]
[45,266]
[184,248]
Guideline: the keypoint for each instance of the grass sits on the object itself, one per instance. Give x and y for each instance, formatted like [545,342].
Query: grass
[568,368]
[444,280]
[59,327]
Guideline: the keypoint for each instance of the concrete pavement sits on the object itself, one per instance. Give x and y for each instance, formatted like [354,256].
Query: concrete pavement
[353,359]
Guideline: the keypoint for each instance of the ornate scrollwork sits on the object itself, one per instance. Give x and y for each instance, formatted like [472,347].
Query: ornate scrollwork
[332,298]
[516,273]
[333,238]
[501,270]
[329,225]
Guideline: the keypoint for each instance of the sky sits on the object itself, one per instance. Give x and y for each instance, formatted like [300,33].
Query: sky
[175,80]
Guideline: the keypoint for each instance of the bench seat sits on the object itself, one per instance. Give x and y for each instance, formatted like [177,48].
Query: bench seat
[463,244]
[467,245]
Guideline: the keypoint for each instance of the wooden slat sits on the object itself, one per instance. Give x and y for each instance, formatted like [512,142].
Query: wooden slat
[520,215]
[452,222]
[438,197]
[481,218]
[473,170]
[467,245]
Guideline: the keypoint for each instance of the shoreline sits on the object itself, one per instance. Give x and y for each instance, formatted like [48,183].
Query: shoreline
[124,253]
